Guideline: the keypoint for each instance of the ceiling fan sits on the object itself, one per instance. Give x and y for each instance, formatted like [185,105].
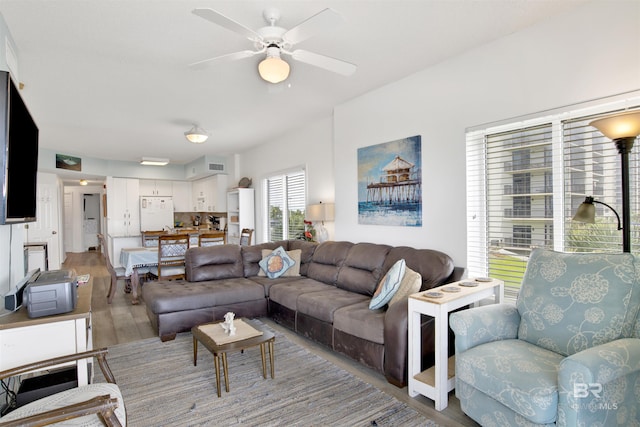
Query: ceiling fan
[274,41]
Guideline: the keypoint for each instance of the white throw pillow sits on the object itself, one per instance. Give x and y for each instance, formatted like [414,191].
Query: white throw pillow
[388,286]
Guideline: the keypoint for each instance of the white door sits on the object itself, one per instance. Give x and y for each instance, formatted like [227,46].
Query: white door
[46,228]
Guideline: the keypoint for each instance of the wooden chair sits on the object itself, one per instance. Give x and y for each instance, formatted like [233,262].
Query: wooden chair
[100,403]
[115,273]
[171,252]
[212,238]
[245,236]
[150,238]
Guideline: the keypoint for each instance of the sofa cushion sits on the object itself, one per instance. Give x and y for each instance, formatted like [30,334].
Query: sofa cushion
[292,271]
[388,286]
[213,262]
[520,375]
[322,305]
[434,267]
[358,320]
[307,250]
[567,310]
[362,269]
[410,284]
[166,297]
[327,260]
[276,263]
[287,294]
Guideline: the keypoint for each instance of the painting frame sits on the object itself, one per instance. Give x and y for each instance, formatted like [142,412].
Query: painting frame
[390,183]
[64,161]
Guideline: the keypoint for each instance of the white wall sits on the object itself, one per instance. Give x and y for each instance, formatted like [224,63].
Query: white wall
[592,52]
[310,147]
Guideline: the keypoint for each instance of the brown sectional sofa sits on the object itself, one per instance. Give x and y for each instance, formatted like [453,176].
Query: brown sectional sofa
[328,302]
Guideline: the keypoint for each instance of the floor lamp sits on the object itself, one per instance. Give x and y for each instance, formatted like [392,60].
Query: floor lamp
[622,129]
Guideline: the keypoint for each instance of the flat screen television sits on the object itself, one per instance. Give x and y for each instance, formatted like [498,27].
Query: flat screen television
[19,156]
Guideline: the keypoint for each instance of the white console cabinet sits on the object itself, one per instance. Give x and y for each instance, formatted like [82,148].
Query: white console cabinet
[24,340]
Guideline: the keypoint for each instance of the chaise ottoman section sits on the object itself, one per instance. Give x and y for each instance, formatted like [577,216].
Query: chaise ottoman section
[178,306]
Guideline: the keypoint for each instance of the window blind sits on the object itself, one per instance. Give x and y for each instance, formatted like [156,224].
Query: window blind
[286,203]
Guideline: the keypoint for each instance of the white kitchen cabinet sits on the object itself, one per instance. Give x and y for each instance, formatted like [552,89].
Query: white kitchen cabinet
[240,213]
[152,187]
[123,206]
[209,194]
[182,196]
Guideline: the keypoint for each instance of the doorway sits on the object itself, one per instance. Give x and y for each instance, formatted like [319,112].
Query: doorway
[90,220]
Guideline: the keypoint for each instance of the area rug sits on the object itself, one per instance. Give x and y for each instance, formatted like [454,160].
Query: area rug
[161,387]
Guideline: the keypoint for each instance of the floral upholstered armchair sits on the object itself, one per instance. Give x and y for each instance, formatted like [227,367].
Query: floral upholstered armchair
[568,352]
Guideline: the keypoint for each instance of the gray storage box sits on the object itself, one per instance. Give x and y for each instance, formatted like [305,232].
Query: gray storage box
[53,292]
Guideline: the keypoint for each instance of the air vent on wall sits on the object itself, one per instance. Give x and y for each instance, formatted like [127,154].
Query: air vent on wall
[205,166]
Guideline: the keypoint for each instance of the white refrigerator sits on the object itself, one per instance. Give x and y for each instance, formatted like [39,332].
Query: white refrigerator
[156,213]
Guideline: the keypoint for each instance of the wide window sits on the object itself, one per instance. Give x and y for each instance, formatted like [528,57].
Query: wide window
[286,202]
[525,181]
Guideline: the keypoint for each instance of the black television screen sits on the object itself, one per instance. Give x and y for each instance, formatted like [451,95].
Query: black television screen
[19,143]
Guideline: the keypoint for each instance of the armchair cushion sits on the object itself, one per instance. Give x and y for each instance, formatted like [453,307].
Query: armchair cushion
[519,375]
[69,397]
[570,302]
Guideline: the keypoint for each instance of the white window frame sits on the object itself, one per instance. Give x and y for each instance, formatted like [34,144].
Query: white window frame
[478,238]
[285,209]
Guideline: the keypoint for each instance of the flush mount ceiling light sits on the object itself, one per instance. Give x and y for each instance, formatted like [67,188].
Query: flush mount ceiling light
[273,69]
[197,135]
[154,161]
[83,182]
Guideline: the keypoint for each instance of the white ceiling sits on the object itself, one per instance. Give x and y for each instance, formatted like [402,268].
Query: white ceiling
[109,79]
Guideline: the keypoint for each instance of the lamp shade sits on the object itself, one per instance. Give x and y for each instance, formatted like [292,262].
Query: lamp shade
[273,69]
[320,212]
[586,212]
[624,125]
[197,135]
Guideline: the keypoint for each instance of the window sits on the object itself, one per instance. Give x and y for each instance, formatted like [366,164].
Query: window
[526,180]
[286,202]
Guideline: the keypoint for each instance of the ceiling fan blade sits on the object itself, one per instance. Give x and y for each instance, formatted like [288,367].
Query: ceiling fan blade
[224,58]
[326,62]
[228,23]
[321,21]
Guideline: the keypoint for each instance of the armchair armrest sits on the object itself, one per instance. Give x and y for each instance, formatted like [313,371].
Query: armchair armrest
[597,385]
[103,406]
[99,354]
[484,324]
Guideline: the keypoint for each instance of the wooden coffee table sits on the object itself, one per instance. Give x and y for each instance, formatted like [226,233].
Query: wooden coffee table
[205,334]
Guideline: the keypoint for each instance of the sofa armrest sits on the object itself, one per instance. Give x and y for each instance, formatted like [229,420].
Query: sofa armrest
[484,324]
[396,342]
[598,385]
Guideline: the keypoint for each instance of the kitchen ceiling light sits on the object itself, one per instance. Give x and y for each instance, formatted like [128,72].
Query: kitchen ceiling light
[197,135]
[154,161]
[83,182]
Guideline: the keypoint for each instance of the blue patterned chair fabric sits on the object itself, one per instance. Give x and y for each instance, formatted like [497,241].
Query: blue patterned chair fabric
[567,354]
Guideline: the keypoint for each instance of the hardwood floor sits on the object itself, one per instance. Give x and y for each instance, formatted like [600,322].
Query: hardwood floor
[121,322]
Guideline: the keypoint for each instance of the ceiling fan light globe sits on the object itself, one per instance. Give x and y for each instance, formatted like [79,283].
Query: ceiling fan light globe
[196,135]
[273,69]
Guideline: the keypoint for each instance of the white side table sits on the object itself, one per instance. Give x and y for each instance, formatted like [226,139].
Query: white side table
[436,382]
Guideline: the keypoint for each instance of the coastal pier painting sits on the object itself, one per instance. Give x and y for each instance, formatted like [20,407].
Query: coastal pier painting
[390,183]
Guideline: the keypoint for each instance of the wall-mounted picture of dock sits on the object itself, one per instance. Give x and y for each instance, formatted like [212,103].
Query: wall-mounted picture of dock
[390,183]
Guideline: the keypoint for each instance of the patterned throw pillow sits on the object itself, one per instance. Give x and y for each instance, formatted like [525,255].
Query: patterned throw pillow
[411,283]
[388,286]
[276,263]
[294,271]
